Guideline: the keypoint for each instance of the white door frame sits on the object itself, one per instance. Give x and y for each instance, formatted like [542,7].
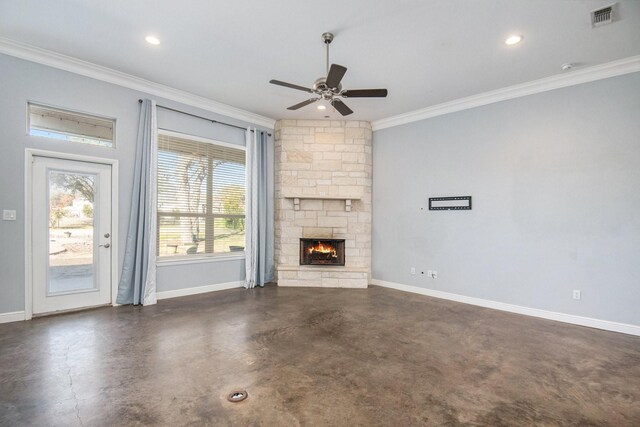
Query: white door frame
[30,153]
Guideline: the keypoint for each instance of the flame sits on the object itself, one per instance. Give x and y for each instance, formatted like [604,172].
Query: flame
[328,249]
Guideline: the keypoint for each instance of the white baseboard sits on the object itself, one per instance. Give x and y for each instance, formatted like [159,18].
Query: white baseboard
[535,312]
[17,316]
[198,290]
[14,316]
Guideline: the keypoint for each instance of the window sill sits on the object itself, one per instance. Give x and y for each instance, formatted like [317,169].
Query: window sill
[184,260]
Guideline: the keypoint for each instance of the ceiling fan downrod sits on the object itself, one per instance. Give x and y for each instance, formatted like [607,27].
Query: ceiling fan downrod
[327,38]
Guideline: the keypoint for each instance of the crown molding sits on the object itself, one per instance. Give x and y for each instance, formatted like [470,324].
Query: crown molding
[98,72]
[596,72]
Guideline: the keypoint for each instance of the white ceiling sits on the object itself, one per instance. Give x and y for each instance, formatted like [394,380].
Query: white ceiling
[424,52]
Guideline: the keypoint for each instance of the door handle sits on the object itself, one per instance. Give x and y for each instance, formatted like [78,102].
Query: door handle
[107,235]
[106,245]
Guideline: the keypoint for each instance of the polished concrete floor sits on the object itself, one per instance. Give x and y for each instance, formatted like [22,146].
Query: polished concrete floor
[313,357]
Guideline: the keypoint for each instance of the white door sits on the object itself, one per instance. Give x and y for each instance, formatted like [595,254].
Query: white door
[71,232]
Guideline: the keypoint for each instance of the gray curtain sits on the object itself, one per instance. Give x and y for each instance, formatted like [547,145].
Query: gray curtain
[138,280]
[259,210]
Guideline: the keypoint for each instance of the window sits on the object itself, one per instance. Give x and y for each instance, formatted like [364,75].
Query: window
[70,126]
[201,189]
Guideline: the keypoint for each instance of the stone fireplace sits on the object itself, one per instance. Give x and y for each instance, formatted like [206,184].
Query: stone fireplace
[322,199]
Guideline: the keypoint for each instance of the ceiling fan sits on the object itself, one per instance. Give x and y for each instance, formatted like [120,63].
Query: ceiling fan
[329,88]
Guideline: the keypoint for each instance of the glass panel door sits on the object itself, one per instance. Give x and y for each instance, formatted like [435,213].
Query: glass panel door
[71,232]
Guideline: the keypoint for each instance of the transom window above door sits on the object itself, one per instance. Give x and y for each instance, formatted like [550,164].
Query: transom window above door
[56,123]
[201,197]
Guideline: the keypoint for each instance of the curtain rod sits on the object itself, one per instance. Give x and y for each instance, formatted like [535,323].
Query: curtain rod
[199,117]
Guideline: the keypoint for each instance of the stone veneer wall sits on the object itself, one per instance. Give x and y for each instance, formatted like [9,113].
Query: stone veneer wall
[320,158]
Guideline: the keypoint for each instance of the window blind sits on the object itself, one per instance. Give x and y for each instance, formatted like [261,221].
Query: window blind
[201,191]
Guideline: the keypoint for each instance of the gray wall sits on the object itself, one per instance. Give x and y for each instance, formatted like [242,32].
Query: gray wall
[23,81]
[556,202]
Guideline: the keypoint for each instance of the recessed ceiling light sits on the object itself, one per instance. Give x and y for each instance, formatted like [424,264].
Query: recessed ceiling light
[513,40]
[152,40]
[322,107]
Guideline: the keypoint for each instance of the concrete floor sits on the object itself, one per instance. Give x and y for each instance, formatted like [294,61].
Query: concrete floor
[314,357]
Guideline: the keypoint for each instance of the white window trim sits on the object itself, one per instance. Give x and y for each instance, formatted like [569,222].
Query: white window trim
[200,139]
[199,258]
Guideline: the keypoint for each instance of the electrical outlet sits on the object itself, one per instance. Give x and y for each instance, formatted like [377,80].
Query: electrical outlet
[434,274]
[429,273]
[577,294]
[413,270]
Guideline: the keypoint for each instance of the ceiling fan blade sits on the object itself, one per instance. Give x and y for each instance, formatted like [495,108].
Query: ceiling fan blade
[303,103]
[365,93]
[336,72]
[341,107]
[290,85]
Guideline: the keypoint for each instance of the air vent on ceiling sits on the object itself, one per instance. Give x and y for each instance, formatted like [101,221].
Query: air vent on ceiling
[602,16]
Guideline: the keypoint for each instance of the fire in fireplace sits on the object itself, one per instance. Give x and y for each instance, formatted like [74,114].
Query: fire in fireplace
[321,251]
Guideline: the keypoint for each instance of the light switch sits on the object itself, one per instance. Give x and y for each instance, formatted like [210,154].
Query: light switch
[8,215]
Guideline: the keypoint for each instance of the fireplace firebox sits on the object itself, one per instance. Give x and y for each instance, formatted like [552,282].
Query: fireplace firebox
[321,251]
